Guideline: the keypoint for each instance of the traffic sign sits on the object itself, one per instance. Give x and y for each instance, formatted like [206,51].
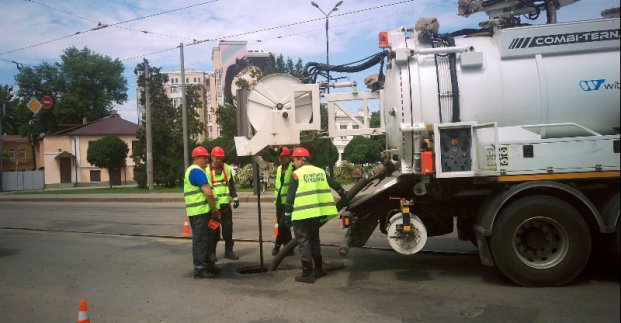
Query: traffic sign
[34,105]
[47,101]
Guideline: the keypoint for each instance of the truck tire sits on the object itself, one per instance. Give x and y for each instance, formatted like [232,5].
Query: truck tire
[540,241]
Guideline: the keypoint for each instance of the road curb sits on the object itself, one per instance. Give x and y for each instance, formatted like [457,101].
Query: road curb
[243,199]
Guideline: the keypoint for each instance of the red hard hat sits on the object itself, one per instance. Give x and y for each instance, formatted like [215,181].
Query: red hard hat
[200,151]
[300,152]
[284,151]
[217,151]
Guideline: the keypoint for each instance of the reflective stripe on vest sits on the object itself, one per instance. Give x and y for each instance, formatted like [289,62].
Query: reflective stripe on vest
[313,197]
[195,200]
[285,183]
[220,184]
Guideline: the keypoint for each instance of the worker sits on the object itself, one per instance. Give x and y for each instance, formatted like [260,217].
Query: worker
[223,186]
[200,207]
[309,204]
[281,186]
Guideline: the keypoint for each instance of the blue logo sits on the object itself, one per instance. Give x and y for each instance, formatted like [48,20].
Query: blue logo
[591,85]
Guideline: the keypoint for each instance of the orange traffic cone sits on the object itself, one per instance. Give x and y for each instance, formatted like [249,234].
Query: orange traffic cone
[186,227]
[275,229]
[82,313]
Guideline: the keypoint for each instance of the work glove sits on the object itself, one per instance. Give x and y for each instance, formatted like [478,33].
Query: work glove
[235,202]
[288,220]
[342,193]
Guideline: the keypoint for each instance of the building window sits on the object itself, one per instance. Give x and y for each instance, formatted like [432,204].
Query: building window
[22,154]
[343,137]
[343,126]
[11,153]
[173,89]
[95,176]
[187,80]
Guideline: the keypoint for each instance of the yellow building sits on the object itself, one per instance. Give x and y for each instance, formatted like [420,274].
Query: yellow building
[64,154]
[17,154]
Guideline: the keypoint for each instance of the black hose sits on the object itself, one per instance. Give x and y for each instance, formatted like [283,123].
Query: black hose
[313,69]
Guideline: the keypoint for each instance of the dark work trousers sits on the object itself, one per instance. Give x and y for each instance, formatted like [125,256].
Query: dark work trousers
[201,240]
[226,229]
[284,232]
[307,233]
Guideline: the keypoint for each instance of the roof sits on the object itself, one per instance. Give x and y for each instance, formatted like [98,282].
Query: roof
[110,125]
[13,138]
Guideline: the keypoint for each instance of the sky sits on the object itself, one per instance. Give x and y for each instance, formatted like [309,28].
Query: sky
[37,31]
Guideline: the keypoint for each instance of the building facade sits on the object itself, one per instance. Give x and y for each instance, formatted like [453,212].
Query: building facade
[64,154]
[344,122]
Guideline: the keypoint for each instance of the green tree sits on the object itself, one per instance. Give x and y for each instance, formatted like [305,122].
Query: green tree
[83,84]
[375,123]
[290,68]
[8,117]
[280,66]
[167,129]
[108,152]
[298,69]
[362,150]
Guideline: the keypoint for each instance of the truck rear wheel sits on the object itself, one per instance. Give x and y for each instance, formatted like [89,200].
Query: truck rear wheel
[540,241]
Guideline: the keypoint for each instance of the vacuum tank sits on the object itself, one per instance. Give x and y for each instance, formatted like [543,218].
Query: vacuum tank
[558,73]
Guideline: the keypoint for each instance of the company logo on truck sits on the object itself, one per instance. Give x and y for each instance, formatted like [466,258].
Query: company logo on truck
[565,39]
[597,85]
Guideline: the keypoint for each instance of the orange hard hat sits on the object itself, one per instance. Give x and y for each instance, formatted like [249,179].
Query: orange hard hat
[284,151]
[217,151]
[200,151]
[300,152]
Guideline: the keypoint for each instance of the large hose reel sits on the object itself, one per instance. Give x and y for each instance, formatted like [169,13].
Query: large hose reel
[279,107]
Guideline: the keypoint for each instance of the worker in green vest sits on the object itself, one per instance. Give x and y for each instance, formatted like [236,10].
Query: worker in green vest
[281,186]
[223,186]
[309,204]
[200,207]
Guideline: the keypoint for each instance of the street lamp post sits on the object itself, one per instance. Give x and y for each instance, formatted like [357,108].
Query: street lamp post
[327,38]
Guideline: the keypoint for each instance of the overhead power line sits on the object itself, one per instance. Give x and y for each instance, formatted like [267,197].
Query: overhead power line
[100,25]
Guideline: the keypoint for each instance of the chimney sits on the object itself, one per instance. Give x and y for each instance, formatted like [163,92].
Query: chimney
[84,120]
[114,114]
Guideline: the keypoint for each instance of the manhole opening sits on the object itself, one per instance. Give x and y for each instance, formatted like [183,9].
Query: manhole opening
[250,270]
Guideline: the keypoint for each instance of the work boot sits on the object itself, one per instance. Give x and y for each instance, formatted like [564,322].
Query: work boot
[275,250]
[213,269]
[319,272]
[230,254]
[204,274]
[307,273]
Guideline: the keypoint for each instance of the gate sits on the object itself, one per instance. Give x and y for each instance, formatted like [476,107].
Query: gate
[22,181]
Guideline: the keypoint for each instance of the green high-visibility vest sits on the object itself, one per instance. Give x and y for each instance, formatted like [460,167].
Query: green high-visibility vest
[313,197]
[195,200]
[284,187]
[220,184]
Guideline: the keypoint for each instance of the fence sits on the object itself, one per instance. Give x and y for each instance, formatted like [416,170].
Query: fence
[22,181]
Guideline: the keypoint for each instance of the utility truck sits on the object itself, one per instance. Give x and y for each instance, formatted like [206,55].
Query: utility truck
[510,133]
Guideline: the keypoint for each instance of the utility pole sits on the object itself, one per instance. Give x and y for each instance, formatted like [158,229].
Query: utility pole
[147,103]
[184,113]
[2,113]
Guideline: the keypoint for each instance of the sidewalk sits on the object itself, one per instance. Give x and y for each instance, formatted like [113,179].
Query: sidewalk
[244,197]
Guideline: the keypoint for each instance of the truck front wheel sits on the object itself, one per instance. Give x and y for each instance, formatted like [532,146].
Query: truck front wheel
[540,241]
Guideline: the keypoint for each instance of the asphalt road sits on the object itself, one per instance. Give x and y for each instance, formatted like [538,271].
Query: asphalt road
[126,274]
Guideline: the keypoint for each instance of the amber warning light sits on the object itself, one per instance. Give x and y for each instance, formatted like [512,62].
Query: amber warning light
[383,39]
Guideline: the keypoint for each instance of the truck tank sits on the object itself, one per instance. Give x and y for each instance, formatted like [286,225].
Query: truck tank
[559,73]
